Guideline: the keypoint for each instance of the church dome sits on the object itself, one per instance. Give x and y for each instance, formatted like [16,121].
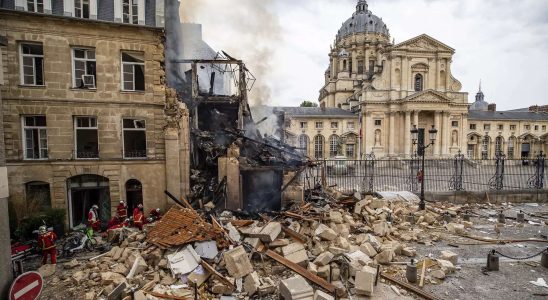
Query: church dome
[362,21]
[480,104]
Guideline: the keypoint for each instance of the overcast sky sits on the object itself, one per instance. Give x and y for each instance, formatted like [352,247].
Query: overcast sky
[286,42]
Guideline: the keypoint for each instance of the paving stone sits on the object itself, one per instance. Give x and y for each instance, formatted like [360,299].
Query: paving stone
[237,262]
[365,281]
[270,232]
[324,258]
[296,288]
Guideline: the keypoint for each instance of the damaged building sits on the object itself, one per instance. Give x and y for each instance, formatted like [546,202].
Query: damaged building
[83,107]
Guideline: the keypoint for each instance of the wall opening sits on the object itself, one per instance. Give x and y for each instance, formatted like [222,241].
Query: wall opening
[85,191]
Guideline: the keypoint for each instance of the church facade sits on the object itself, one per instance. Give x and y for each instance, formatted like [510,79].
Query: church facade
[395,87]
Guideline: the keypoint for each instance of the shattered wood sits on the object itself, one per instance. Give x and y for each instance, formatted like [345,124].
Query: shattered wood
[180,226]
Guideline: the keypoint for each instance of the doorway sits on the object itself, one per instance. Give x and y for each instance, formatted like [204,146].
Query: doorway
[85,191]
[525,150]
[134,195]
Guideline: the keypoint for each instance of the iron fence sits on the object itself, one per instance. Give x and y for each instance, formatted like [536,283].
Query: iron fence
[440,175]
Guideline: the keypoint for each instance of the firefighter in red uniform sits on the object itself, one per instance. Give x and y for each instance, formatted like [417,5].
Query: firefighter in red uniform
[120,225]
[93,220]
[122,211]
[138,218]
[46,240]
[155,214]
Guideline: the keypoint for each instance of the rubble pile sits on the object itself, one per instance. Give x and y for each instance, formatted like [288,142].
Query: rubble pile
[310,252]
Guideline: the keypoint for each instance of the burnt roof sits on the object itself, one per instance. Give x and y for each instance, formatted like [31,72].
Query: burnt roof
[330,112]
[508,115]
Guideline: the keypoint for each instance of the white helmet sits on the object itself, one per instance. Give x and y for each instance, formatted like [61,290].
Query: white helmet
[42,229]
[95,207]
[157,210]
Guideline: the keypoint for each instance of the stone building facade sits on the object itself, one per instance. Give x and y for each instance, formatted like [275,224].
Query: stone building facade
[322,133]
[394,87]
[86,115]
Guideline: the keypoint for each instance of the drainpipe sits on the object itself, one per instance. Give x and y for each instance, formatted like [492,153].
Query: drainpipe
[5,242]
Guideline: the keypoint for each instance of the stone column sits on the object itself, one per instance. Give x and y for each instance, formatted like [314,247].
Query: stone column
[415,118]
[445,134]
[463,142]
[392,136]
[407,134]
[438,127]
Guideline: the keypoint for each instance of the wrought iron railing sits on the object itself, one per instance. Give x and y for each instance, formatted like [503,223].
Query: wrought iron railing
[452,174]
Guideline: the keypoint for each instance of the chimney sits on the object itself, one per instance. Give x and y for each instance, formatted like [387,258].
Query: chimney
[492,107]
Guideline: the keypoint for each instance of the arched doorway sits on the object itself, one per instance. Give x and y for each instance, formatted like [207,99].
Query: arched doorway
[134,194]
[85,191]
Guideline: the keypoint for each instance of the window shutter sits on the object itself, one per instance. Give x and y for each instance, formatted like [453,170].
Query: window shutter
[118,11]
[141,12]
[20,5]
[93,9]
[68,6]
[47,7]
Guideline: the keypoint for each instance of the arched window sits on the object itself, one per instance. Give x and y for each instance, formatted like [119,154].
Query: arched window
[134,194]
[344,65]
[418,82]
[303,144]
[334,143]
[511,147]
[318,146]
[498,145]
[38,196]
[485,148]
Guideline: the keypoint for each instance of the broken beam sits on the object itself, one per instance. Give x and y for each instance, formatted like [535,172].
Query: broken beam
[302,271]
[411,288]
[164,296]
[212,270]
[184,203]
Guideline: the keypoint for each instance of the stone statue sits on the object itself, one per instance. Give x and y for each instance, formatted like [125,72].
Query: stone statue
[377,138]
[455,138]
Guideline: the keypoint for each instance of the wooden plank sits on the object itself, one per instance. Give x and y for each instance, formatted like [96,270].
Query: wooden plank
[411,288]
[302,271]
[163,296]
[212,270]
[423,273]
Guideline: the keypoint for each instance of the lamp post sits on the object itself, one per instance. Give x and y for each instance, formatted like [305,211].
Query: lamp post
[421,147]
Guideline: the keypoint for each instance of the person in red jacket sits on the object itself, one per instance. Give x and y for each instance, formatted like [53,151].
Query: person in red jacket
[46,241]
[138,217]
[120,225]
[122,211]
[93,219]
[155,214]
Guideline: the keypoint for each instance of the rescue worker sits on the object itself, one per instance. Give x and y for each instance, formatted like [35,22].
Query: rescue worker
[116,220]
[121,210]
[139,208]
[46,240]
[155,214]
[126,223]
[93,220]
[138,218]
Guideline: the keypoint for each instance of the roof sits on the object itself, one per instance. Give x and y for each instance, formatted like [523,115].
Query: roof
[362,21]
[316,112]
[508,115]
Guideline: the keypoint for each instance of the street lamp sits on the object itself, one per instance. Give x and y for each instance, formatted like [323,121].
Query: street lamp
[421,147]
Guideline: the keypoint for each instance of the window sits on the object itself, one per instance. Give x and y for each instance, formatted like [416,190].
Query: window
[378,122]
[35,137]
[486,126]
[512,127]
[130,11]
[135,140]
[84,68]
[287,124]
[371,66]
[472,126]
[35,5]
[360,66]
[319,125]
[485,148]
[133,71]
[455,123]
[511,146]
[350,126]
[32,64]
[304,125]
[344,65]
[334,142]
[318,146]
[81,9]
[334,125]
[543,127]
[303,144]
[501,127]
[527,127]
[87,139]
[498,145]
[536,127]
[38,196]
[350,150]
[418,83]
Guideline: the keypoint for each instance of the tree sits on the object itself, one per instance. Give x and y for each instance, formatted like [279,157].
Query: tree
[309,104]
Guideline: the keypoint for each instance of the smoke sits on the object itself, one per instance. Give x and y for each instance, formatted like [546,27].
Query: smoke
[245,29]
[174,47]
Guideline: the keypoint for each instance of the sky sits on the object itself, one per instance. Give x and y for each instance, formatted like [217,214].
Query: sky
[285,43]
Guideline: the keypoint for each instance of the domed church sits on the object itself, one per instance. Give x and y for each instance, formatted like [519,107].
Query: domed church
[394,87]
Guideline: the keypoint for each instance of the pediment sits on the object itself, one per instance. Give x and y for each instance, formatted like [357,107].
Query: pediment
[428,96]
[423,42]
